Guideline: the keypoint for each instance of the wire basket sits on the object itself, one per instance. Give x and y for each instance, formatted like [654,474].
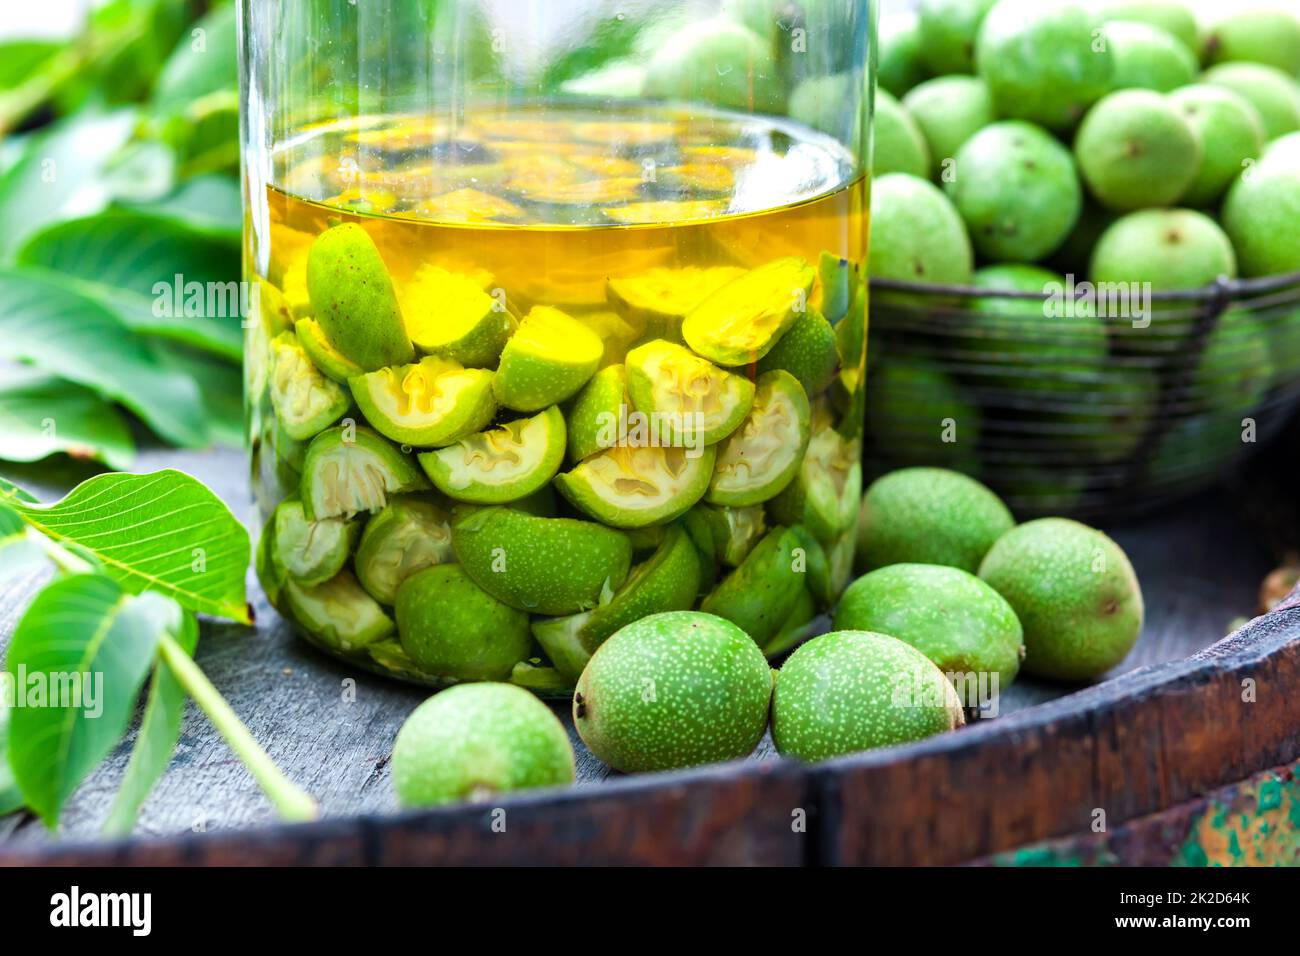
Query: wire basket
[1065,402]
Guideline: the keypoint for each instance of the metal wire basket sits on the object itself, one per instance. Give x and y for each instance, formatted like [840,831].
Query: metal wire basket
[1014,389]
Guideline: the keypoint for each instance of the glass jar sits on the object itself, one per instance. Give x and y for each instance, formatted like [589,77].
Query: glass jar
[562,320]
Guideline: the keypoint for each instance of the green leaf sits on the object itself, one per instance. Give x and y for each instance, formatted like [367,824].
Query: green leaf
[19,551]
[148,268]
[41,414]
[84,625]
[205,134]
[211,205]
[30,72]
[143,170]
[165,532]
[20,58]
[60,175]
[160,729]
[14,493]
[11,798]
[222,385]
[56,328]
[205,60]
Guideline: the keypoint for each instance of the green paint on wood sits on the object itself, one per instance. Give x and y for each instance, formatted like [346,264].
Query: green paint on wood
[1256,823]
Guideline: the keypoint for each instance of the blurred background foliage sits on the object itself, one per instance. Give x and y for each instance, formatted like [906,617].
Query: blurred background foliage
[118,172]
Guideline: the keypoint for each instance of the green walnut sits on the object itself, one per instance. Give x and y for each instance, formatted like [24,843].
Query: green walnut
[305,400]
[1075,594]
[929,516]
[338,613]
[743,320]
[824,494]
[453,628]
[353,298]
[541,565]
[666,581]
[501,464]
[476,740]
[311,552]
[349,469]
[673,690]
[430,403]
[325,356]
[689,399]
[952,617]
[449,315]
[635,487]
[849,691]
[548,359]
[593,416]
[759,595]
[761,457]
[408,535]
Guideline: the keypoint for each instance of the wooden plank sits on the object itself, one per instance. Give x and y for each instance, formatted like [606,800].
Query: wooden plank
[1252,823]
[757,815]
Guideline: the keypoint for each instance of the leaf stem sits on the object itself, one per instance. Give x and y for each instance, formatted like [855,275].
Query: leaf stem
[64,560]
[292,802]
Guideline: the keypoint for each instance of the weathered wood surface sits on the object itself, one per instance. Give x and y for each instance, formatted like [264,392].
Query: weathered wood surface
[331,729]
[1253,823]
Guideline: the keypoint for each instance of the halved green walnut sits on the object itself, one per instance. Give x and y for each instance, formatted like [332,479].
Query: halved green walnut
[630,487]
[353,298]
[550,356]
[596,413]
[410,534]
[760,594]
[827,489]
[540,565]
[430,403]
[666,581]
[689,398]
[350,469]
[450,315]
[851,339]
[453,628]
[659,299]
[840,557]
[732,531]
[741,322]
[304,399]
[616,332]
[269,574]
[311,552]
[761,457]
[833,292]
[338,613]
[799,625]
[501,464]
[816,566]
[324,355]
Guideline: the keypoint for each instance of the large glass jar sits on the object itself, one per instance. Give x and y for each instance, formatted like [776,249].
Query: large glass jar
[562,320]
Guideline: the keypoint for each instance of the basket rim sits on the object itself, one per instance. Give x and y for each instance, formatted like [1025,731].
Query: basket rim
[1224,288]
